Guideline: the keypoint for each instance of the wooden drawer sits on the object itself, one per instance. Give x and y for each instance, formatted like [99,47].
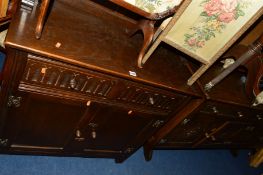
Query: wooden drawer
[152,98]
[236,134]
[192,129]
[52,77]
[232,111]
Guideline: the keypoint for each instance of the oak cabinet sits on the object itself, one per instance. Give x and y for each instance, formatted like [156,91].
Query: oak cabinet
[61,109]
[225,119]
[77,90]
[49,123]
[114,129]
[40,121]
[217,125]
[191,130]
[236,135]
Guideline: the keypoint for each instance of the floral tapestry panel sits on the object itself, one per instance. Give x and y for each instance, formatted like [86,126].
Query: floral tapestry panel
[154,6]
[207,25]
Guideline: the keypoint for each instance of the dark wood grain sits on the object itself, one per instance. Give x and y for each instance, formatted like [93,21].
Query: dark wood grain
[73,92]
[83,95]
[100,43]
[225,117]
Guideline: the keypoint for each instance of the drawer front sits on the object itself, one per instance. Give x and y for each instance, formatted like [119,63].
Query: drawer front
[232,111]
[64,78]
[150,98]
[236,134]
[192,129]
[48,77]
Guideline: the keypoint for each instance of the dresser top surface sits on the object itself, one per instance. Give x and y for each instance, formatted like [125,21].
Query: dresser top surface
[94,37]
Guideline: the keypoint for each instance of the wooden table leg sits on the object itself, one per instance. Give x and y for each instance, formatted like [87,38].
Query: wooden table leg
[41,18]
[147,27]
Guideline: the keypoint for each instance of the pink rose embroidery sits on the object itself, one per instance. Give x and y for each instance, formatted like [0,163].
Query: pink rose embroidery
[200,44]
[213,7]
[216,15]
[226,17]
[228,5]
[192,41]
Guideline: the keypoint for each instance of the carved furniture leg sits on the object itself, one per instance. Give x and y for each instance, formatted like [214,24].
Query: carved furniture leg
[41,18]
[12,7]
[147,27]
[157,38]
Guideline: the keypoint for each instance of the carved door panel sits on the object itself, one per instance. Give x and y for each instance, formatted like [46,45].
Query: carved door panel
[113,128]
[41,122]
[191,130]
[237,134]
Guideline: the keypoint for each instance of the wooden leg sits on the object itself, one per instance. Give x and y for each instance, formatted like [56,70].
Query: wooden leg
[12,7]
[148,152]
[41,18]
[198,74]
[157,38]
[147,28]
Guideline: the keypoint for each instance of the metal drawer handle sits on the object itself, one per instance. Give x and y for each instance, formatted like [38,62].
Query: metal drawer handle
[151,101]
[259,117]
[14,101]
[3,142]
[93,127]
[210,136]
[240,114]
[214,109]
[213,138]
[129,150]
[185,121]
[162,141]
[73,83]
[93,134]
[79,136]
[157,123]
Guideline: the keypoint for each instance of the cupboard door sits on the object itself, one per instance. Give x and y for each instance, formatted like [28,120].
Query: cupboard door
[237,134]
[190,130]
[114,128]
[41,121]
